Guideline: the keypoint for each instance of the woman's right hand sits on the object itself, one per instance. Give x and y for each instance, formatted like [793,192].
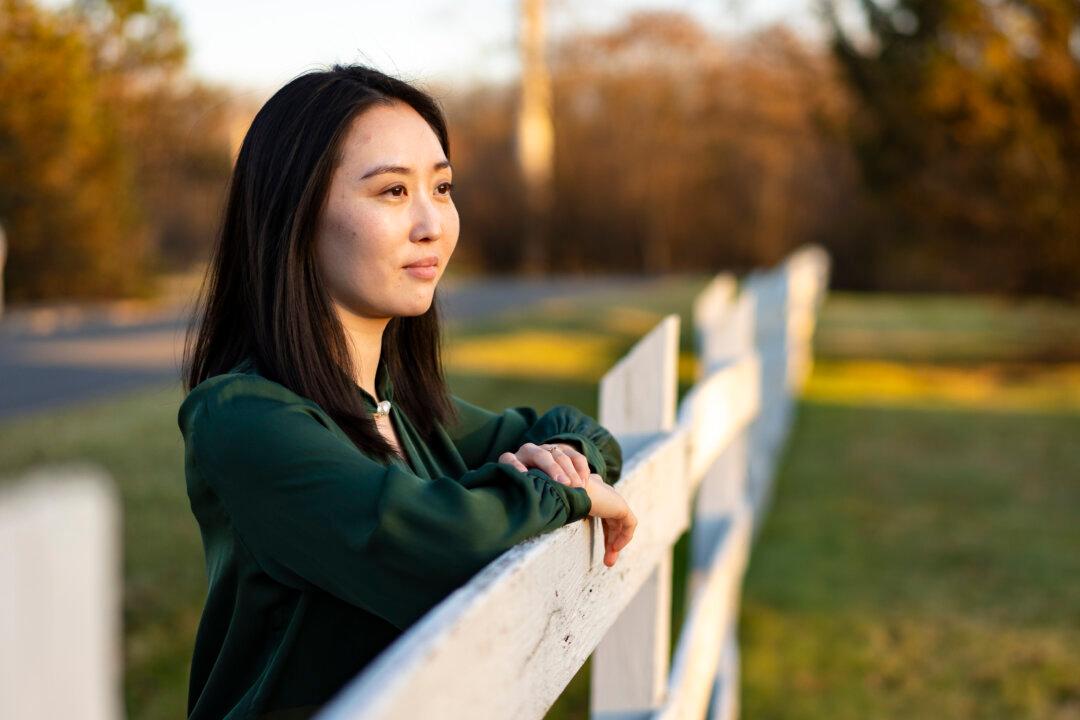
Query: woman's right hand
[615,515]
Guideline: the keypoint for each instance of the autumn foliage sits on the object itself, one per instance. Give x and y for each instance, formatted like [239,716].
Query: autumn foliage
[936,146]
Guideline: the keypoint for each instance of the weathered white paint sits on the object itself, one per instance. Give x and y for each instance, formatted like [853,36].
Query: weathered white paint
[708,311]
[638,393]
[712,609]
[717,408]
[630,665]
[60,622]
[725,700]
[729,333]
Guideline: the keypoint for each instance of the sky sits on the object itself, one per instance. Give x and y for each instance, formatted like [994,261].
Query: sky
[261,45]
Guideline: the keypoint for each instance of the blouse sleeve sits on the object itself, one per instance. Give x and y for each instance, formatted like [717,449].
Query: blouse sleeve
[315,511]
[481,435]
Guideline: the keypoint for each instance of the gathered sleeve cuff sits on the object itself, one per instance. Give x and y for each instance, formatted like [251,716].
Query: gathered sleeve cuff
[482,435]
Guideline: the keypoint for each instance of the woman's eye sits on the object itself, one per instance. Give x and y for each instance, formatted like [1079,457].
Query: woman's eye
[448,187]
[396,187]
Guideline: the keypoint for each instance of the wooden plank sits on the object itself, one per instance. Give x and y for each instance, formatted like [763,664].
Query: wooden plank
[638,393]
[710,619]
[728,335]
[60,609]
[709,312]
[717,409]
[725,699]
[630,665]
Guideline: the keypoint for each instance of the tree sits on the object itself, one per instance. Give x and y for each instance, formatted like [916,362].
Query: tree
[63,197]
[967,132]
[111,160]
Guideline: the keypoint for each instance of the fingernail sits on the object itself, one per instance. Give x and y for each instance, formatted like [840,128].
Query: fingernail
[562,479]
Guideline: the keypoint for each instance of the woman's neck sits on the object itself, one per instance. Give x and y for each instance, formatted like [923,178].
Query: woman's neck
[364,336]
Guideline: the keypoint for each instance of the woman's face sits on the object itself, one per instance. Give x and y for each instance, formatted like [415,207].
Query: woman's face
[388,206]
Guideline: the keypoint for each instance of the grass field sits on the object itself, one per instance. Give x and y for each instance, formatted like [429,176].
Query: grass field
[920,558]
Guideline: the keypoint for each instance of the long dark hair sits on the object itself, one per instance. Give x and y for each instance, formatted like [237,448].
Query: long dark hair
[262,298]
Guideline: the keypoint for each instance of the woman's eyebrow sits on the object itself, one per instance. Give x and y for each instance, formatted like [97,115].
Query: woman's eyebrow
[400,169]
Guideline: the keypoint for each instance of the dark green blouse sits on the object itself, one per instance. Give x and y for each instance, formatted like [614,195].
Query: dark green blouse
[318,556]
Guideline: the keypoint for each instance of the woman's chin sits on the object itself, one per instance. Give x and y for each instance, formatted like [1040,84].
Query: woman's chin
[417,308]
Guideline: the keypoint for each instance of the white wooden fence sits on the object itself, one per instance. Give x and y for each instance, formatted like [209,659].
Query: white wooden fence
[507,643]
[60,590]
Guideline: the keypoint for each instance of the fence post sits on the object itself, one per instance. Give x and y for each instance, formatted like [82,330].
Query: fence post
[807,277]
[637,401]
[768,295]
[724,327]
[60,608]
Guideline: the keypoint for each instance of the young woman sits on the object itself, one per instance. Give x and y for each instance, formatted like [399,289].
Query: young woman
[340,489]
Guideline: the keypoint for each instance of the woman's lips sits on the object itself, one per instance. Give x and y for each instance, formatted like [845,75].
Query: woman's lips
[424,268]
[423,272]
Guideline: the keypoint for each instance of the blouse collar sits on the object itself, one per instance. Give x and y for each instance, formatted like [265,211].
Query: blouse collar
[383,386]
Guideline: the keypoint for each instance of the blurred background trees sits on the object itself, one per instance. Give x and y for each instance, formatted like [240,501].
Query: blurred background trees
[112,163]
[675,151]
[931,146]
[934,147]
[966,126]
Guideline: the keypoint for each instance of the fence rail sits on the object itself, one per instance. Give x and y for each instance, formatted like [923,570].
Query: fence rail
[508,642]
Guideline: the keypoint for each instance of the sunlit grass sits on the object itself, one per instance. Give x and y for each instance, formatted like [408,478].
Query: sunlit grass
[948,329]
[986,386]
[531,354]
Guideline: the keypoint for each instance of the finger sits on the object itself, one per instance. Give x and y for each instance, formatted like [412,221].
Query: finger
[511,459]
[582,464]
[627,533]
[567,466]
[611,552]
[543,459]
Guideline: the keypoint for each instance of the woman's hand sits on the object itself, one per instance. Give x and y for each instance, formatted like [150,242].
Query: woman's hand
[568,466]
[615,515]
[562,462]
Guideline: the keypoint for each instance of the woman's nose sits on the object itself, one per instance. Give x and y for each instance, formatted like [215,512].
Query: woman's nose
[427,221]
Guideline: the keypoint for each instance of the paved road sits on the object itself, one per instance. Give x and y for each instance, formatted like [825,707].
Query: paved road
[52,358]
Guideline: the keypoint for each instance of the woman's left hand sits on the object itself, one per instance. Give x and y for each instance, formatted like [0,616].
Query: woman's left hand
[561,461]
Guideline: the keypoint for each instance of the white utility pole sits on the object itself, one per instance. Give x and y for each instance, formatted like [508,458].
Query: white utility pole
[535,137]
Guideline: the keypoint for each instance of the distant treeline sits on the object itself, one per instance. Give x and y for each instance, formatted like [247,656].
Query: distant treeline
[938,151]
[112,162]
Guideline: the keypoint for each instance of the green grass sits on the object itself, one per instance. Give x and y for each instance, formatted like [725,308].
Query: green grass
[916,562]
[920,558]
[948,328]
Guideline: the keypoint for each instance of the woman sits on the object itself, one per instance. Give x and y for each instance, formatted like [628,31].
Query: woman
[340,489]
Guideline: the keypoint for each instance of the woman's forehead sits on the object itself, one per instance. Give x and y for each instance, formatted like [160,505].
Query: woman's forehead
[392,135]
